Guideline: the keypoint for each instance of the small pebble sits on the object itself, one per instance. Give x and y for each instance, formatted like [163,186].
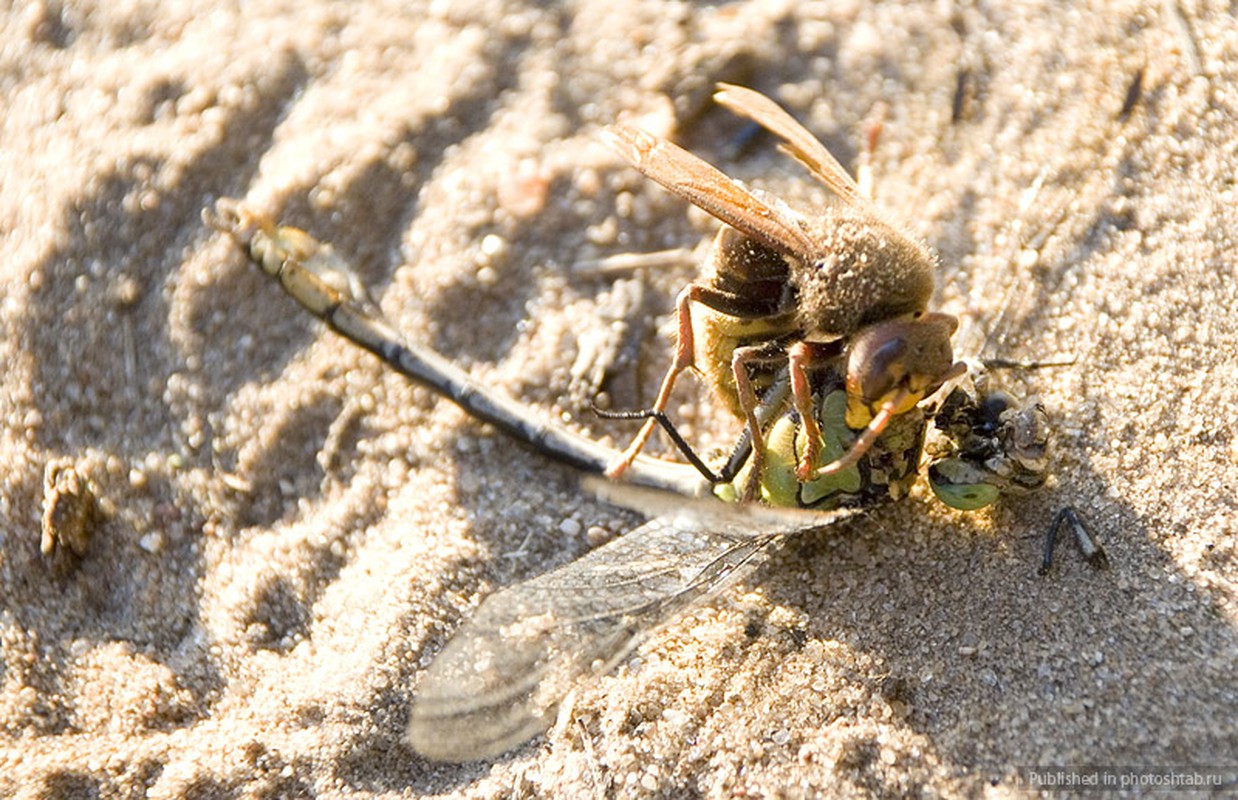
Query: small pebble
[151,542]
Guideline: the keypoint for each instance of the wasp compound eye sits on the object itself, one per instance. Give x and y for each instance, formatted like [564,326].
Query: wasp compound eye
[875,363]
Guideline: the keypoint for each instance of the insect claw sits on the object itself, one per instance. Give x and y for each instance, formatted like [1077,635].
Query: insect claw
[754,479]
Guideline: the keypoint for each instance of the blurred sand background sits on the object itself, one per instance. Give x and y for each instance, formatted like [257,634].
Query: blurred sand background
[290,532]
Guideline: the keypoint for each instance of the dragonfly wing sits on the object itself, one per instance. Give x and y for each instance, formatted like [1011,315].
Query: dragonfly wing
[499,681]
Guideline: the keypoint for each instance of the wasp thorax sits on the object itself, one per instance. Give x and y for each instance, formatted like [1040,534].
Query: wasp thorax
[752,273]
[864,271]
[911,355]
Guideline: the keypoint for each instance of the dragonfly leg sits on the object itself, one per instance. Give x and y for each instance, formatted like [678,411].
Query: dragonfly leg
[676,437]
[1091,549]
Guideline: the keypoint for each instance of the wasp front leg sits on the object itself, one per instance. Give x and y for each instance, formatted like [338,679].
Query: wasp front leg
[801,358]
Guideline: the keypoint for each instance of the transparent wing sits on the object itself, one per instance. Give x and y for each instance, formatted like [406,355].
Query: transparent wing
[710,190]
[499,681]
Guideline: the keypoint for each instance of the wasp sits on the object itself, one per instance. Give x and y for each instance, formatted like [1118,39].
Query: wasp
[843,290]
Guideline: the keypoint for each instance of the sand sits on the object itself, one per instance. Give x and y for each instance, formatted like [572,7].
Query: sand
[286,533]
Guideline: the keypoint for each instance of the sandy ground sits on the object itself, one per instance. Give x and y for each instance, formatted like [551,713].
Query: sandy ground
[288,533]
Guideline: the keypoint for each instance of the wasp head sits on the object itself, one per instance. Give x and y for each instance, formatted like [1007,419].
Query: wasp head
[900,362]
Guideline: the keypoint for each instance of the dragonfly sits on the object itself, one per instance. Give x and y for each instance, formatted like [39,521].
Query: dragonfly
[499,681]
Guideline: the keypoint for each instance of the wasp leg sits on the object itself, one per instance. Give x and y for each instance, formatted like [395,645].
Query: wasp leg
[685,349]
[867,438]
[1093,553]
[801,357]
[685,346]
[772,403]
[873,130]
[741,360]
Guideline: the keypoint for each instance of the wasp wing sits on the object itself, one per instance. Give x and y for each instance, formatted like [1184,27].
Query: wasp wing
[798,142]
[710,190]
[499,681]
